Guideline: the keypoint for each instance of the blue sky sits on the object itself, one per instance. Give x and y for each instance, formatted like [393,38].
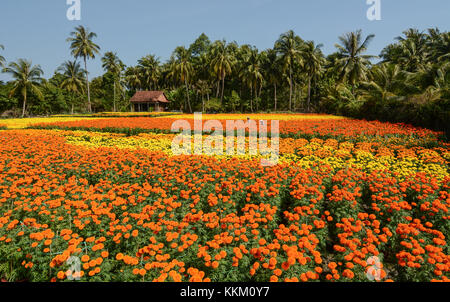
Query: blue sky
[37,30]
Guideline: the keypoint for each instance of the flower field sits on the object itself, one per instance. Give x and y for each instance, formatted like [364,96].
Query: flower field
[349,200]
[290,126]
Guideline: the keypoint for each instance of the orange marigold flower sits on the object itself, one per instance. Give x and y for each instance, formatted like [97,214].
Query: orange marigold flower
[332,265]
[61,275]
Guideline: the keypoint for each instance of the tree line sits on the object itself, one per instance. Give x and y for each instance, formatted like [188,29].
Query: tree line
[409,83]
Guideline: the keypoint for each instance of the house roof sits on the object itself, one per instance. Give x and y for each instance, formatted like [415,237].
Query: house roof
[149,97]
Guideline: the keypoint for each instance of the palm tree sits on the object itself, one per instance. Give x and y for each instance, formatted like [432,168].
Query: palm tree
[413,34]
[73,79]
[288,46]
[443,47]
[414,56]
[439,44]
[344,98]
[222,62]
[169,72]
[417,49]
[113,65]
[184,69]
[203,89]
[431,77]
[202,69]
[313,61]
[241,60]
[82,46]
[392,53]
[150,70]
[273,72]
[413,50]
[386,82]
[352,64]
[2,59]
[253,73]
[27,78]
[133,78]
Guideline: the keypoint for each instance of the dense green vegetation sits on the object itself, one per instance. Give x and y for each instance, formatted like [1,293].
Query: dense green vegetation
[409,83]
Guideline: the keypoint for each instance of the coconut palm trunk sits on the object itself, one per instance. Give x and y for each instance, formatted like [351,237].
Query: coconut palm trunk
[290,88]
[87,85]
[260,92]
[251,98]
[203,103]
[114,100]
[223,88]
[187,93]
[24,102]
[73,100]
[275,96]
[294,95]
[256,97]
[309,94]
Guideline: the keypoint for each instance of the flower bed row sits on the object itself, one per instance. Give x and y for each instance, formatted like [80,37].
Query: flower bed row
[341,129]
